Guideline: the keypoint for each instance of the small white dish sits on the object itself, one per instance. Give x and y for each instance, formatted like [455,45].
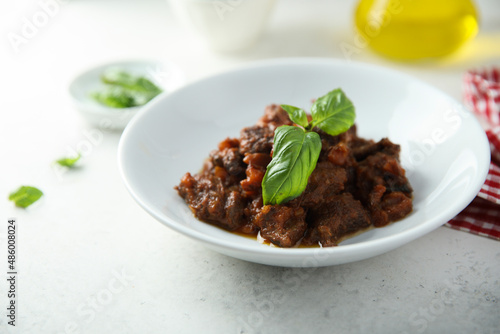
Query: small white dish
[164,74]
[444,149]
[225,26]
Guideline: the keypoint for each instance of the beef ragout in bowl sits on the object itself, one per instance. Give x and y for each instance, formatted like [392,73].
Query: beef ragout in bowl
[401,124]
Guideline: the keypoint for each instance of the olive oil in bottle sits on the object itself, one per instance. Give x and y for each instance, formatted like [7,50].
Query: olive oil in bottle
[416,29]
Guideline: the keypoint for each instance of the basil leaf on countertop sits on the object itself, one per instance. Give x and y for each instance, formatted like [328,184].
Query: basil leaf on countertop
[297,115]
[68,162]
[294,159]
[25,196]
[333,113]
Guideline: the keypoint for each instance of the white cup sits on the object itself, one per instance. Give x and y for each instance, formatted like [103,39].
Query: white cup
[225,25]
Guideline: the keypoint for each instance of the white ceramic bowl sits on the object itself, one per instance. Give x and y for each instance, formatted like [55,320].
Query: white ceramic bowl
[164,74]
[444,149]
[225,26]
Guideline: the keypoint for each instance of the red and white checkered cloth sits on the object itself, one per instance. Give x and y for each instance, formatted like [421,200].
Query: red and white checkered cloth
[482,95]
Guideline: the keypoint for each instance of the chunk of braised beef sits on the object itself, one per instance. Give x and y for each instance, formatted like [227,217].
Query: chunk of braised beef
[282,225]
[395,177]
[229,143]
[234,205]
[230,159]
[273,117]
[211,202]
[378,215]
[256,169]
[340,217]
[251,211]
[325,181]
[384,188]
[328,141]
[256,139]
[340,155]
[364,149]
[257,160]
[381,169]
[397,205]
[386,207]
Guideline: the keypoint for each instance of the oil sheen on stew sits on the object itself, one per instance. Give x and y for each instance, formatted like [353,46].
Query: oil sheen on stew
[357,184]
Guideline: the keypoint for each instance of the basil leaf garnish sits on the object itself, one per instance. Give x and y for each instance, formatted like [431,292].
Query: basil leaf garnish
[333,113]
[294,159]
[297,115]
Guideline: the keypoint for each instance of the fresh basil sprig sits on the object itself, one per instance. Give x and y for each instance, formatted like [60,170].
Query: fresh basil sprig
[297,148]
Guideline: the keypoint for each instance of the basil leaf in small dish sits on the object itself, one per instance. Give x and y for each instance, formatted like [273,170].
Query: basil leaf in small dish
[124,90]
[126,80]
[115,97]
